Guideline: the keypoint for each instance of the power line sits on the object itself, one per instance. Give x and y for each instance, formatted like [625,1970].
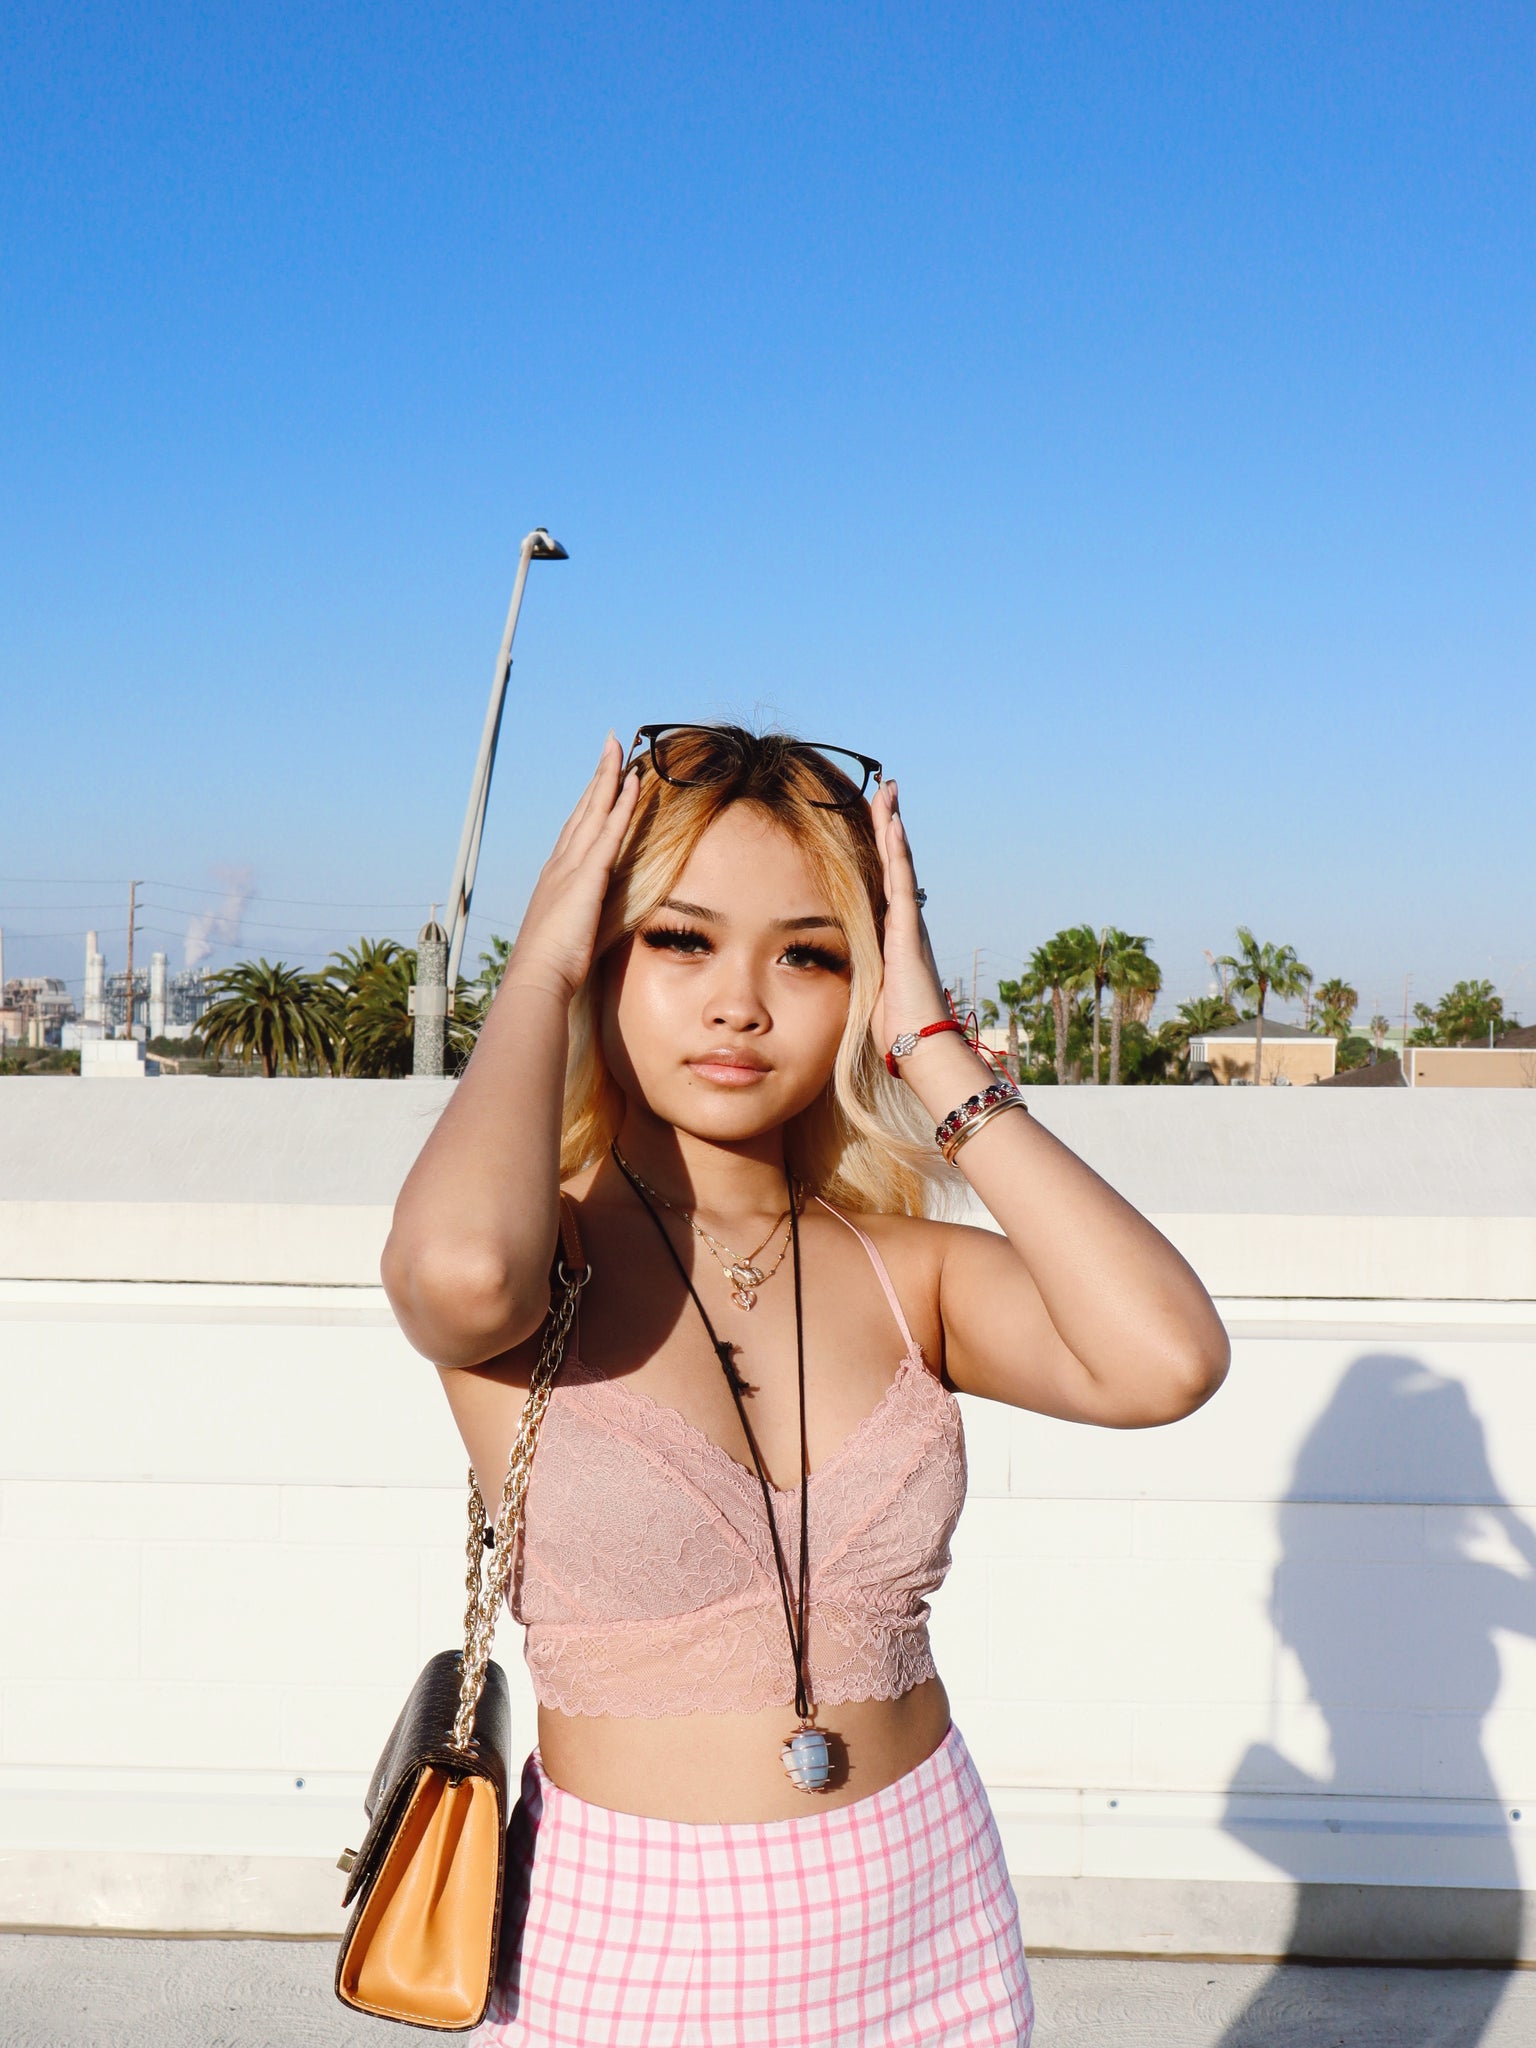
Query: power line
[202,889]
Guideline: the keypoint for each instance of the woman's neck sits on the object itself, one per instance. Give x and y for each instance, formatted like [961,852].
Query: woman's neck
[709,1180]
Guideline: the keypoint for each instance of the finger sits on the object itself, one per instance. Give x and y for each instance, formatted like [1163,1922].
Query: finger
[584,801]
[880,813]
[616,824]
[903,874]
[591,814]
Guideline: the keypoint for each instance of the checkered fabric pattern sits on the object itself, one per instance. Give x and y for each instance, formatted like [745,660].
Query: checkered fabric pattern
[887,1923]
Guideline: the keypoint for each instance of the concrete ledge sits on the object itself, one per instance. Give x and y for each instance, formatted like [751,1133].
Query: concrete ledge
[145,1892]
[1388,1257]
[295,1244]
[1359,1923]
[125,1892]
[307,1244]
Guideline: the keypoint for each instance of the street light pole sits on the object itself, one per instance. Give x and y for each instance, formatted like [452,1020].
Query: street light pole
[537,547]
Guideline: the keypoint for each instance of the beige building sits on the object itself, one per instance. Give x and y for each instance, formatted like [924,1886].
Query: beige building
[1510,1063]
[1292,1057]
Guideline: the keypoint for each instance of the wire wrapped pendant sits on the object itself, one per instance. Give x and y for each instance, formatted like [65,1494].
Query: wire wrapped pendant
[808,1759]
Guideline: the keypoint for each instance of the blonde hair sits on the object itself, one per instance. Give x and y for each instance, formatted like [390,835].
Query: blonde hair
[863,1143]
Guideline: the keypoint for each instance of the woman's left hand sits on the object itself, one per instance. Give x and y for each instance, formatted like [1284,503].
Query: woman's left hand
[911,994]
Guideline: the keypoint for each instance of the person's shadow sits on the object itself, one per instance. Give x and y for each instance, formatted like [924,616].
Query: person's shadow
[1389,1631]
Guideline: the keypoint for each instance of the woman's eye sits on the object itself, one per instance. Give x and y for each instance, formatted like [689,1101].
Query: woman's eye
[816,956]
[675,939]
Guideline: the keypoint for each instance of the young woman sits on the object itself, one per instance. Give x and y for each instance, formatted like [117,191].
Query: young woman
[749,1816]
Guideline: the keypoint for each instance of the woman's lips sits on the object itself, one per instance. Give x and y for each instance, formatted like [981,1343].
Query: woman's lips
[728,1069]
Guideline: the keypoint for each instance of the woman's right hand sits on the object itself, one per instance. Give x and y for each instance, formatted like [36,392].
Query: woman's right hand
[559,929]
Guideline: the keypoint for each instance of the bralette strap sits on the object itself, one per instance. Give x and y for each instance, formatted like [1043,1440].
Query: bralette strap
[880,1274]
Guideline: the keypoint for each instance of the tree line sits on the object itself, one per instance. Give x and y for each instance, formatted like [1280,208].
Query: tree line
[350,1018]
[1053,1012]
[1079,1011]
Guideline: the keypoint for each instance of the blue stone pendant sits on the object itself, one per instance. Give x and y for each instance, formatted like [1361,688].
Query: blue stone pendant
[808,1759]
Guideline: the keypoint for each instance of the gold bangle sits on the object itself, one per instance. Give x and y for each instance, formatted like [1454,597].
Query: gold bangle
[968,1131]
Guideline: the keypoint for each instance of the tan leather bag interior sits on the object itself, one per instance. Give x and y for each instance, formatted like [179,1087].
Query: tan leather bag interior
[422,1948]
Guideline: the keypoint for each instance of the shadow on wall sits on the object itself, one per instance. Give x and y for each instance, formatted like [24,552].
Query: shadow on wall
[1396,1632]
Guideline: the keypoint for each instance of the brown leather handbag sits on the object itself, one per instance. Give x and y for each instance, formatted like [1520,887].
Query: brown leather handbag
[421,1943]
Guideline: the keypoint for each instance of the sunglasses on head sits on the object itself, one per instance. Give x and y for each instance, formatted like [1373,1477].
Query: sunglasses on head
[700,756]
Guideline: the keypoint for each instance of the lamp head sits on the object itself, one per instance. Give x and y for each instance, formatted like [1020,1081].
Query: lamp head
[542,549]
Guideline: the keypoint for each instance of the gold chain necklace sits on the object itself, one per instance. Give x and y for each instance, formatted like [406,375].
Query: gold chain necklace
[745,1274]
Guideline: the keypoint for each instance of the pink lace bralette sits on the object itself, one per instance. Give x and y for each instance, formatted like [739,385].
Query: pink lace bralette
[646,1579]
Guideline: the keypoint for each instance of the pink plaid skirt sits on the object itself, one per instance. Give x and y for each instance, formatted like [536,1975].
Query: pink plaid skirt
[888,1923]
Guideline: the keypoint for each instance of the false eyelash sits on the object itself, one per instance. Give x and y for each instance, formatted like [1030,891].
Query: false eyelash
[661,936]
[821,956]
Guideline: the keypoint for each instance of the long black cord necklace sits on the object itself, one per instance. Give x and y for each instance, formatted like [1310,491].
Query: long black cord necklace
[806,1755]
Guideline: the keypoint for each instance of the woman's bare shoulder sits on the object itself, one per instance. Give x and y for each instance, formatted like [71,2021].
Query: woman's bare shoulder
[913,1248]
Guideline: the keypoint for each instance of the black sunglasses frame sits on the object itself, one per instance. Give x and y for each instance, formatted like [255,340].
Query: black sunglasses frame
[651,733]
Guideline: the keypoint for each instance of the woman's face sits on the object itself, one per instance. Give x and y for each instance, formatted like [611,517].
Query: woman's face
[723,1013]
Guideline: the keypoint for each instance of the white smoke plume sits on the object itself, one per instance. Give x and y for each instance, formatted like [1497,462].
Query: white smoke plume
[221,927]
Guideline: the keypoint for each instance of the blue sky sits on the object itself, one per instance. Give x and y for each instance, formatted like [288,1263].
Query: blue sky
[1116,418]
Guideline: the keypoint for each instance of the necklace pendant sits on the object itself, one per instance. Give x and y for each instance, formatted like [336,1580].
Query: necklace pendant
[808,1759]
[743,1298]
[745,1274]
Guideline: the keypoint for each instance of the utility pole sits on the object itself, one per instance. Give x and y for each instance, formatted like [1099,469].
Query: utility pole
[133,898]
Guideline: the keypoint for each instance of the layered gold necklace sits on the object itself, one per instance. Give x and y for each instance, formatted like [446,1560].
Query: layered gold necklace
[744,1273]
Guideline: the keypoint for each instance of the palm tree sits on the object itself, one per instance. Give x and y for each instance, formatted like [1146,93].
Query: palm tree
[1261,971]
[1336,1005]
[1056,968]
[1013,1000]
[1380,1026]
[369,991]
[1132,972]
[269,1011]
[1192,1020]
[1087,953]
[1470,1014]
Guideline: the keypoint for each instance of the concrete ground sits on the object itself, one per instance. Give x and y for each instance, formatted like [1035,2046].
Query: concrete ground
[66,1991]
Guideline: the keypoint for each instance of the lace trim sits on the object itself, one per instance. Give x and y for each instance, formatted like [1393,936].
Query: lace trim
[579,1377]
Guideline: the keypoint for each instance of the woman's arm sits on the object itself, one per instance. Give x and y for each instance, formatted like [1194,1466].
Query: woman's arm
[466,1267]
[1081,1309]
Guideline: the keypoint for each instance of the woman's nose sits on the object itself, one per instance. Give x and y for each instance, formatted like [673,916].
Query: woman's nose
[735,1003]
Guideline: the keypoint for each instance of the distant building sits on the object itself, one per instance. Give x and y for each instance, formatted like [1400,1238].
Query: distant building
[1510,1062]
[1292,1057]
[35,1007]
[114,1012]
[1385,1072]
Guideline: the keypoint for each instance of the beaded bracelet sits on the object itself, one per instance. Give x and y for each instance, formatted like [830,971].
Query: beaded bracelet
[977,1123]
[1000,1094]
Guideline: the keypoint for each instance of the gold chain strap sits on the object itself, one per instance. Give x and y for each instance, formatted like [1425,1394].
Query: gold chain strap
[488,1589]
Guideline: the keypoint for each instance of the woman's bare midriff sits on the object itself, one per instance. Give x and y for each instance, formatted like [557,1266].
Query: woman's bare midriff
[726,1767]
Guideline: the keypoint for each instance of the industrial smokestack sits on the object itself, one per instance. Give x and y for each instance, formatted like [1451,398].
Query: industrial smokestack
[95,982]
[157,995]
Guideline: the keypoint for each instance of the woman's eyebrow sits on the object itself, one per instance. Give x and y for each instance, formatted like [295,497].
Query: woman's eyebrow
[813,921]
[690,910]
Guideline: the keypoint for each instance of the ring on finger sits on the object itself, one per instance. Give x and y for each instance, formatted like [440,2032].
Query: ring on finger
[921,896]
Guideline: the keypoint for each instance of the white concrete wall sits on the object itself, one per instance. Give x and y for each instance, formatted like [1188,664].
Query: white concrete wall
[1214,1675]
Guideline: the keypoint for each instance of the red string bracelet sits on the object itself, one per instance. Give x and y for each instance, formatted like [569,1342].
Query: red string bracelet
[907,1042]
